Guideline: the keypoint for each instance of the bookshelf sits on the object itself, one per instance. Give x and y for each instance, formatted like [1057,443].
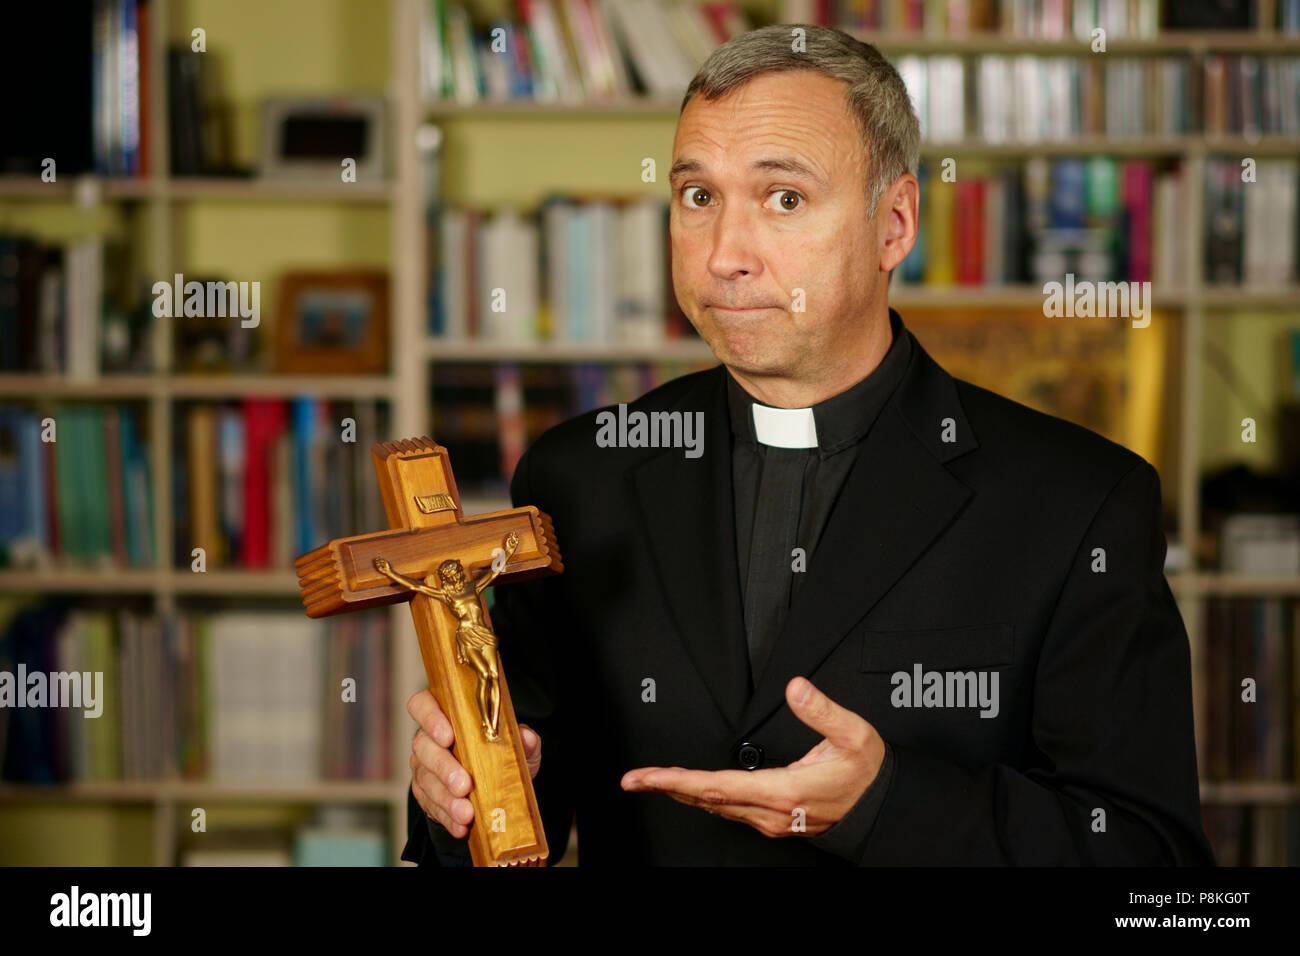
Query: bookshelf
[168,213]
[159,212]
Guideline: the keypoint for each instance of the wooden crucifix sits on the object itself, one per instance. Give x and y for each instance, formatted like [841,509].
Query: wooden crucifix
[430,557]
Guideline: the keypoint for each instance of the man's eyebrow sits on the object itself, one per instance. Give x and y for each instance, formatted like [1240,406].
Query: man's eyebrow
[783,164]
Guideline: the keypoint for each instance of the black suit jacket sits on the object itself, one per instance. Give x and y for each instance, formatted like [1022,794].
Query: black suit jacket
[973,554]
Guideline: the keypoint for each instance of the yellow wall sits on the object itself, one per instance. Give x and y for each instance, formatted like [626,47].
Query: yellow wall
[1257,349]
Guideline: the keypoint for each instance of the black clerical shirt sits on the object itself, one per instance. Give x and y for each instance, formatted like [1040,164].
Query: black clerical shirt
[841,423]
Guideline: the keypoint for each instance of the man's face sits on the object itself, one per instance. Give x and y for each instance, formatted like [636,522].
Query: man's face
[747,236]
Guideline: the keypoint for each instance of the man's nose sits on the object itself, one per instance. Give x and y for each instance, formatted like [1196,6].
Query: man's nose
[732,250]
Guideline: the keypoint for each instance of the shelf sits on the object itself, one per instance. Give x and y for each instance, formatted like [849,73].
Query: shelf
[276,583]
[1019,296]
[521,109]
[1262,792]
[33,384]
[29,384]
[1170,42]
[1104,145]
[198,188]
[90,188]
[279,385]
[446,350]
[144,791]
[82,186]
[73,580]
[112,580]
[1246,297]
[1216,584]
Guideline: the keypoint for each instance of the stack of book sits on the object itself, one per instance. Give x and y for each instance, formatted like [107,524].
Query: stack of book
[1252,95]
[1253,835]
[1251,687]
[1252,229]
[1029,99]
[58,314]
[1100,218]
[75,487]
[574,271]
[337,836]
[228,697]
[121,86]
[1043,19]
[259,482]
[572,50]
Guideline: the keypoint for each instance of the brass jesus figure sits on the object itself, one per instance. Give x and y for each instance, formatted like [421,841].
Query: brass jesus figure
[476,644]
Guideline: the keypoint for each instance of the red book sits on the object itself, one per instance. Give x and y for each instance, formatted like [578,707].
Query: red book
[1137,197]
[263,422]
[969,231]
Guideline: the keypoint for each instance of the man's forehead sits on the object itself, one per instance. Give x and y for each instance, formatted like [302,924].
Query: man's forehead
[795,123]
[790,165]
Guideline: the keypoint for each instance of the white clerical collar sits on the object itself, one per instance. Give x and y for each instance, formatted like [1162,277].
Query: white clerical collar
[784,427]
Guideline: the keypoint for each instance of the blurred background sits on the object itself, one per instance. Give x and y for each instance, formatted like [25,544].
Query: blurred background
[242,241]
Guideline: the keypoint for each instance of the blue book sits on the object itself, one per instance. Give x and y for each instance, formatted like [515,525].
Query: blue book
[128,89]
[303,417]
[11,477]
[1069,180]
[31,455]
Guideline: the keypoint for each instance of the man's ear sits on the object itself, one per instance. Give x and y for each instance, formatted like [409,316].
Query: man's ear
[898,211]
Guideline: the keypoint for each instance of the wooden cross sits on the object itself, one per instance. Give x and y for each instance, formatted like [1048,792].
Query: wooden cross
[427,527]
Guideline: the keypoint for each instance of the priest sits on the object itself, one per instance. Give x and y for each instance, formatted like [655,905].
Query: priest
[884,616]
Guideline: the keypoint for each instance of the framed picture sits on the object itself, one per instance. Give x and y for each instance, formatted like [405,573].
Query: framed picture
[333,322]
[307,138]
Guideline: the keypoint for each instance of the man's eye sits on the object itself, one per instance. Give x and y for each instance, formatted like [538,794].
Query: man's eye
[696,190]
[788,194]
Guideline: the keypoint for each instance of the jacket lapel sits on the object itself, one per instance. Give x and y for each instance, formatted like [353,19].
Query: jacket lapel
[688,511]
[898,497]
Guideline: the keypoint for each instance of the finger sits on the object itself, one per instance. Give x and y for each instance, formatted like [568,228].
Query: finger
[763,819]
[425,711]
[837,724]
[454,813]
[759,788]
[532,741]
[442,764]
[433,808]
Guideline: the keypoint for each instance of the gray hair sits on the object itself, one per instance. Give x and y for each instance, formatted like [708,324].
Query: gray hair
[876,97]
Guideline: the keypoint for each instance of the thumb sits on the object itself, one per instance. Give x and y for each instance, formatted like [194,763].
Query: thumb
[837,724]
[532,742]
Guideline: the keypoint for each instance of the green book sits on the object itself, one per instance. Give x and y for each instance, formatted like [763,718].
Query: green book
[68,481]
[1101,192]
[96,477]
